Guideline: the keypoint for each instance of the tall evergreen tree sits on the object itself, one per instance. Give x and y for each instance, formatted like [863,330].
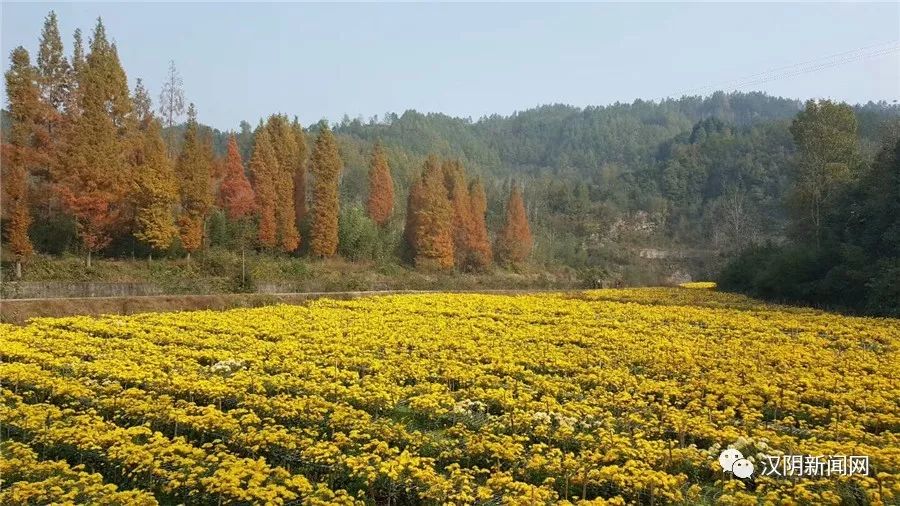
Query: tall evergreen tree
[414,201]
[136,144]
[380,204]
[300,174]
[481,255]
[284,142]
[23,97]
[94,179]
[79,63]
[55,72]
[429,219]
[514,240]
[262,167]
[109,77]
[194,175]
[245,140]
[141,106]
[237,195]
[55,83]
[78,58]
[327,166]
[156,190]
[460,202]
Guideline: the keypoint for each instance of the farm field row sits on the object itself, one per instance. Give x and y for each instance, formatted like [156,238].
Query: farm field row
[601,397]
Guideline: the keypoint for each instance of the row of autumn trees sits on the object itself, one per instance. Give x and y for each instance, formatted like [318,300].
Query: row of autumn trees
[81,144]
[445,221]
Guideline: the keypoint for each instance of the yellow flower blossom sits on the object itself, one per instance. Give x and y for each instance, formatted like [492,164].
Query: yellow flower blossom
[603,397]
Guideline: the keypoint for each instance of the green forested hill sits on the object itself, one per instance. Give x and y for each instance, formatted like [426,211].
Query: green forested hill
[706,173]
[566,137]
[682,162]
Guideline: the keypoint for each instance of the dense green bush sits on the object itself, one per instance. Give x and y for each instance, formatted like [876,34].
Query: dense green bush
[357,235]
[220,233]
[884,288]
[54,235]
[836,279]
[359,238]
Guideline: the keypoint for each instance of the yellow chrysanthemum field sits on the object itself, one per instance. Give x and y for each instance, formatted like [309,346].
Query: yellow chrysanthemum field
[610,396]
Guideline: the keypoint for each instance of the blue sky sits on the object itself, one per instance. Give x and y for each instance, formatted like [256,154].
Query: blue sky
[243,61]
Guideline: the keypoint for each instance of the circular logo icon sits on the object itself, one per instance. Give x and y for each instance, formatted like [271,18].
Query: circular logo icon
[742,468]
[728,457]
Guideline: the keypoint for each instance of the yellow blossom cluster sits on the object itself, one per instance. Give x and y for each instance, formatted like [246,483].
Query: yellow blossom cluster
[601,397]
[699,285]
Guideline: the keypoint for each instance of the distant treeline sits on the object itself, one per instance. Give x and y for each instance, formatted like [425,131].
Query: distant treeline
[717,174]
[87,164]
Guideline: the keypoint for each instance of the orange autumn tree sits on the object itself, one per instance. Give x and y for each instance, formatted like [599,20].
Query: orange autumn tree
[237,197]
[284,143]
[429,227]
[94,179]
[17,216]
[480,254]
[458,194]
[514,240]
[263,165]
[194,174]
[18,154]
[381,188]
[326,166]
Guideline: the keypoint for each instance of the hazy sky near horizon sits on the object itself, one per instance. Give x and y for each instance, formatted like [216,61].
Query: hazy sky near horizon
[244,61]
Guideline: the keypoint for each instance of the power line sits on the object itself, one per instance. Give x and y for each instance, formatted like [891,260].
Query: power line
[822,66]
[829,57]
[805,67]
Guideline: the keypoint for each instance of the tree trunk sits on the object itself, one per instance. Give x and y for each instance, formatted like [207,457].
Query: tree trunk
[18,269]
[89,259]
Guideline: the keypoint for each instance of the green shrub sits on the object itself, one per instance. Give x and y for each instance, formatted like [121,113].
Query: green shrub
[884,288]
[833,277]
[218,262]
[358,236]
[242,282]
[54,235]
[220,233]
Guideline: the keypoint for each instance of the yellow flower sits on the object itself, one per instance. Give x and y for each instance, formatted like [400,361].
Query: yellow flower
[603,397]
